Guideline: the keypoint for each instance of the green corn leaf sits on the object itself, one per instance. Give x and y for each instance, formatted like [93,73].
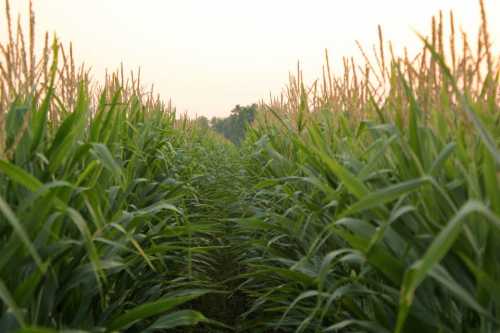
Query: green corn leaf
[177,319]
[438,249]
[19,176]
[388,194]
[153,308]
[8,300]
[21,232]
[102,152]
[39,118]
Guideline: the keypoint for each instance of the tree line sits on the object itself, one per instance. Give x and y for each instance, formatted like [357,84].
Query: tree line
[234,126]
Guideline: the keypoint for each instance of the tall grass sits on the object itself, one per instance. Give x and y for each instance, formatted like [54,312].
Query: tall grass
[377,207]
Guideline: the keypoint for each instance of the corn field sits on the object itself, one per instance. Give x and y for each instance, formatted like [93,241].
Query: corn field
[367,201]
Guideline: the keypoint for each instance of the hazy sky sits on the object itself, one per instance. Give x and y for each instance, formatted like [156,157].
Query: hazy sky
[211,55]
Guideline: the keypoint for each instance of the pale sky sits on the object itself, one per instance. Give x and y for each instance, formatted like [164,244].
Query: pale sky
[211,55]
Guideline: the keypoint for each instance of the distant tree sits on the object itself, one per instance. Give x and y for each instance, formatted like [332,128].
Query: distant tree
[203,122]
[234,126]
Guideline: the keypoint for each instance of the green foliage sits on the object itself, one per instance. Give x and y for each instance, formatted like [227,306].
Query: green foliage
[374,226]
[338,211]
[96,228]
[234,127]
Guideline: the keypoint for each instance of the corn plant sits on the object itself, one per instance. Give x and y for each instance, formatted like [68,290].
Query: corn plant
[368,201]
[377,204]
